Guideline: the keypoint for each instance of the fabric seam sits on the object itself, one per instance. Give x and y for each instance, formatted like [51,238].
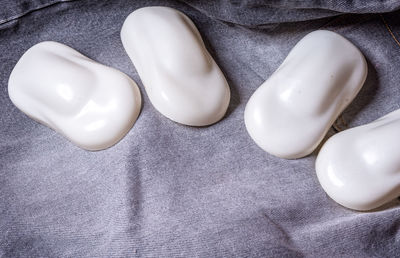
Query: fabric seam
[390,30]
[20,15]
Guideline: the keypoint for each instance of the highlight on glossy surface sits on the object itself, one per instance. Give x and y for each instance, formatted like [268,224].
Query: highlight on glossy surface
[91,104]
[290,113]
[181,79]
[359,168]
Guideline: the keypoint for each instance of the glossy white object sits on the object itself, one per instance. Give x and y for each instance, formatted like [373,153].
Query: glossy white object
[181,78]
[360,167]
[289,114]
[91,104]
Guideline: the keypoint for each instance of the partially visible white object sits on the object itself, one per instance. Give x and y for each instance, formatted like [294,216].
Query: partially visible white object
[181,78]
[91,104]
[359,168]
[290,113]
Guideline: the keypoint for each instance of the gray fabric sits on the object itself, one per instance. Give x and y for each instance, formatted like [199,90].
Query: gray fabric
[170,190]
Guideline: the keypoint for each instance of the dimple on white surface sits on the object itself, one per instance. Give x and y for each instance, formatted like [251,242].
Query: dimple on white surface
[290,113]
[91,104]
[181,79]
[360,167]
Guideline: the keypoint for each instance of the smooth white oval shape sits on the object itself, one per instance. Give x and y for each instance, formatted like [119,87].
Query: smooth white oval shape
[290,113]
[91,104]
[181,78]
[359,168]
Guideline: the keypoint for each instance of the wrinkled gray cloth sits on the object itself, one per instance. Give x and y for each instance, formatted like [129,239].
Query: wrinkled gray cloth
[168,190]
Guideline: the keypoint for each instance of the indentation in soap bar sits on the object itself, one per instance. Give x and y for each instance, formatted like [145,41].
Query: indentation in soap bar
[290,113]
[182,80]
[360,167]
[91,104]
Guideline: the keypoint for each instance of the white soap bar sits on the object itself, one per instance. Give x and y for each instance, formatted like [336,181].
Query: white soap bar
[290,113]
[181,79]
[91,104]
[360,167]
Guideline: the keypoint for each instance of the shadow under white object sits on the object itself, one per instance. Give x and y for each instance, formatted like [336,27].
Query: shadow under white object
[181,79]
[290,113]
[359,168]
[91,104]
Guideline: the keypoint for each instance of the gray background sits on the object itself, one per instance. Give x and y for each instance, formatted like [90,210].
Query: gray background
[172,190]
